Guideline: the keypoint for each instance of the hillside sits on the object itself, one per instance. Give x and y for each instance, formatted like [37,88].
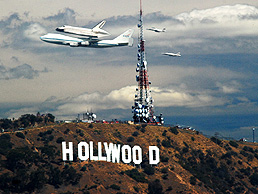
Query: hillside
[190,163]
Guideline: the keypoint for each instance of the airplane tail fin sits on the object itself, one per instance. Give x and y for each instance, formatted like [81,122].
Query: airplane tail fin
[99,25]
[126,37]
[178,53]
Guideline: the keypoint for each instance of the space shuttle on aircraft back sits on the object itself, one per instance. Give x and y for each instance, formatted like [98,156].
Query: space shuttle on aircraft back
[96,32]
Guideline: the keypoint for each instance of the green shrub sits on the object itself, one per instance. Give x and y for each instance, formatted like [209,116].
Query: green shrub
[169,188]
[166,143]
[173,130]
[136,189]
[149,170]
[233,143]
[136,175]
[216,140]
[165,176]
[248,149]
[164,159]
[192,180]
[254,179]
[5,144]
[164,170]
[20,135]
[60,140]
[135,134]
[130,139]
[115,187]
[164,133]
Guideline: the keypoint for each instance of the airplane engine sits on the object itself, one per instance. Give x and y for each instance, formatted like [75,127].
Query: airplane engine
[74,44]
[85,43]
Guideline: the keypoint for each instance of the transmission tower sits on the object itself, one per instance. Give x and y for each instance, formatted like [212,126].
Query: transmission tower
[143,102]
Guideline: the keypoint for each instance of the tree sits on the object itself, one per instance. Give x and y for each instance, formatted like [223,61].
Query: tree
[51,118]
[254,179]
[6,123]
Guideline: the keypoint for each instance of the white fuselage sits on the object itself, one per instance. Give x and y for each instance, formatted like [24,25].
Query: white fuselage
[173,54]
[75,42]
[156,29]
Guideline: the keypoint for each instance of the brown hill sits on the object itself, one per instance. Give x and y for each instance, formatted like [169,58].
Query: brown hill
[190,163]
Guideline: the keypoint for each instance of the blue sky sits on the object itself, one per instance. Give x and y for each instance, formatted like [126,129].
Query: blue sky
[216,75]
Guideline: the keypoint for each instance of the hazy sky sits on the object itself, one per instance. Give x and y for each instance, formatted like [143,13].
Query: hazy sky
[216,75]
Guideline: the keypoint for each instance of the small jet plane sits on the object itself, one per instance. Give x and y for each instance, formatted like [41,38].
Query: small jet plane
[124,39]
[173,54]
[95,32]
[156,29]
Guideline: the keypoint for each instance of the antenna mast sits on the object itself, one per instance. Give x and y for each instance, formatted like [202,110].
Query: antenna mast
[143,102]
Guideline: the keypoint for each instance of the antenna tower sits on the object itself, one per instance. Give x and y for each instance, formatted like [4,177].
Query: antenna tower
[143,102]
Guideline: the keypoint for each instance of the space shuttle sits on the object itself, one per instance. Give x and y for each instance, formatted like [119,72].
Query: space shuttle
[95,32]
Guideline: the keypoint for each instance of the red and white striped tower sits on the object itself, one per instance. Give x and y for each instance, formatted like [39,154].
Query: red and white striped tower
[143,102]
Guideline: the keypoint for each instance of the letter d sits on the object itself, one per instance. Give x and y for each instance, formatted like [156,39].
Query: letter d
[152,150]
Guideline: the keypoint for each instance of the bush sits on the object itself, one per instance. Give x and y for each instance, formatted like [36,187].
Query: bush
[169,188]
[149,170]
[166,143]
[115,187]
[135,134]
[136,189]
[164,159]
[91,126]
[164,170]
[130,139]
[192,138]
[83,168]
[67,131]
[192,180]
[233,143]
[248,149]
[216,140]
[60,140]
[5,144]
[185,150]
[173,130]
[143,130]
[164,133]
[254,179]
[165,176]
[20,135]
[136,175]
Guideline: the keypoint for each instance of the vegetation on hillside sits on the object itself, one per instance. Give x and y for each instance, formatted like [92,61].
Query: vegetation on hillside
[189,162]
[27,120]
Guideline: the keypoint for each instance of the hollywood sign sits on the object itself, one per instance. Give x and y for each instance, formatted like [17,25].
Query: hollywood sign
[113,153]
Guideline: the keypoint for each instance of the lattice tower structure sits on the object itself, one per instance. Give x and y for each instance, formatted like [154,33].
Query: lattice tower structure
[143,102]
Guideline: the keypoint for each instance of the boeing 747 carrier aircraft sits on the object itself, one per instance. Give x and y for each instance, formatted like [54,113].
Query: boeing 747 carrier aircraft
[124,39]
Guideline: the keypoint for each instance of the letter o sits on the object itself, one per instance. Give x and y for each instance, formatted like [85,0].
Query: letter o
[135,149]
[86,147]
[129,156]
